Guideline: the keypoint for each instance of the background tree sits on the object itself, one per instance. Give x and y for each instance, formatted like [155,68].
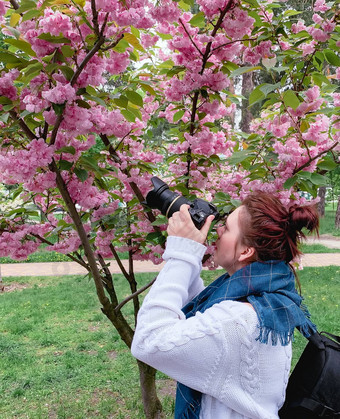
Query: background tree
[79,151]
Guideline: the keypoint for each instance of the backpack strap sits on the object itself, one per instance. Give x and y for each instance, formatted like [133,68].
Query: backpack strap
[333,337]
[317,408]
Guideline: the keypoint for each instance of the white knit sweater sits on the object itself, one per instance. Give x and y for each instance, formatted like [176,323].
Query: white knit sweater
[214,352]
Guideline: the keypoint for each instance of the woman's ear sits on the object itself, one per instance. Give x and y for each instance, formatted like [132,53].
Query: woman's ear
[247,254]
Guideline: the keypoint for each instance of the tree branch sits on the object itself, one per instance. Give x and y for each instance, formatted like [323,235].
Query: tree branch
[82,235]
[95,17]
[192,41]
[314,158]
[23,125]
[130,297]
[77,259]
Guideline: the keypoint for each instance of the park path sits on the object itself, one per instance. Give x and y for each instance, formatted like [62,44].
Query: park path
[73,268]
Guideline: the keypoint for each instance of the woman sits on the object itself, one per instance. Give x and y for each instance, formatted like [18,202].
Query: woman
[228,345]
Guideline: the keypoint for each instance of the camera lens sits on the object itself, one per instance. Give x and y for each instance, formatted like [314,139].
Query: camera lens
[163,199]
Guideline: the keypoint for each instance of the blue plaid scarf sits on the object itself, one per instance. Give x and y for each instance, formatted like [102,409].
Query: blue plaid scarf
[270,288]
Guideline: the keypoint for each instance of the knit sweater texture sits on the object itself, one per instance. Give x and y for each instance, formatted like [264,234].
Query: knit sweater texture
[215,352]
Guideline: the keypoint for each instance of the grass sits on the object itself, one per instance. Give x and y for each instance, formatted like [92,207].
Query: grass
[327,224]
[61,358]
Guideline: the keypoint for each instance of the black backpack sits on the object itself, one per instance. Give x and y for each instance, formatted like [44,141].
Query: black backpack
[313,389]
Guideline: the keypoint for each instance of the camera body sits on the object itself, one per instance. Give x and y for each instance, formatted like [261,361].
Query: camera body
[168,202]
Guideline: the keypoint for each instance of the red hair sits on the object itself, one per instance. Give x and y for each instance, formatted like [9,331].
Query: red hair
[273,230]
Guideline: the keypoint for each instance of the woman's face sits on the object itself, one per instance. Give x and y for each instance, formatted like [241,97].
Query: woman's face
[228,245]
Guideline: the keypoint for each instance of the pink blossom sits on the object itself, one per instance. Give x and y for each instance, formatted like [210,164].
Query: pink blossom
[308,48]
[105,210]
[212,7]
[60,94]
[41,182]
[70,244]
[167,11]
[317,18]
[6,84]
[284,45]
[76,120]
[149,40]
[3,10]
[33,103]
[18,166]
[55,22]
[85,194]
[93,72]
[313,93]
[238,24]
[320,6]
[336,97]
[337,73]
[328,26]
[318,34]
[298,27]
[117,63]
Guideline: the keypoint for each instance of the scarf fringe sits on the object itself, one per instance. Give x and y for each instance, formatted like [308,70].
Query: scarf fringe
[307,329]
[283,337]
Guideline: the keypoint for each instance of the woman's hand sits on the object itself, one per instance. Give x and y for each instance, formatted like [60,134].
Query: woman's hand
[181,225]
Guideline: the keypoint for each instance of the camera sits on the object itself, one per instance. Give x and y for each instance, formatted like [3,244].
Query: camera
[168,202]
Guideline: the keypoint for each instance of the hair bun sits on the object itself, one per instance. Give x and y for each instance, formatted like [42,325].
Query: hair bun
[303,217]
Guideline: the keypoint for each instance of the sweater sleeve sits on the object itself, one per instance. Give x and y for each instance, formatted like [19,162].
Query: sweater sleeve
[188,350]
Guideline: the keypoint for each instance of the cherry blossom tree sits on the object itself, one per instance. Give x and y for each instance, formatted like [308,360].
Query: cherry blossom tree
[97,96]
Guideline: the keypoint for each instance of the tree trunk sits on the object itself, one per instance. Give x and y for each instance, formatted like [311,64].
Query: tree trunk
[247,87]
[152,405]
[337,215]
[322,202]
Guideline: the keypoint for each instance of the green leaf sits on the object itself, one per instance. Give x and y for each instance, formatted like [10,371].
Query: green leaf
[256,95]
[54,39]
[166,64]
[4,117]
[22,45]
[65,165]
[267,88]
[31,14]
[81,174]
[132,40]
[239,157]
[121,46]
[242,70]
[8,57]
[327,164]
[290,99]
[135,111]
[26,5]
[252,3]
[67,51]
[83,104]
[129,116]
[319,180]
[332,57]
[58,108]
[198,20]
[121,101]
[290,182]
[291,12]
[67,149]
[147,88]
[178,115]
[156,238]
[67,71]
[134,97]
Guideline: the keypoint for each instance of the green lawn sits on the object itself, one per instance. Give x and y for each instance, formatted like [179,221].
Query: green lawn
[61,358]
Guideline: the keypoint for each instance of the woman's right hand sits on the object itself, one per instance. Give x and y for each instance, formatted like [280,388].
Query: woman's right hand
[181,225]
